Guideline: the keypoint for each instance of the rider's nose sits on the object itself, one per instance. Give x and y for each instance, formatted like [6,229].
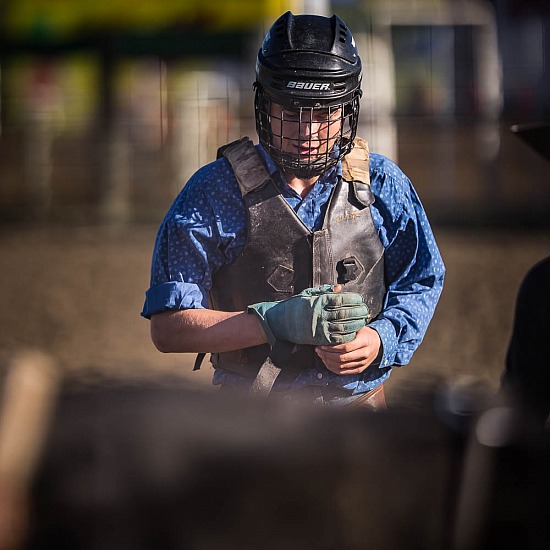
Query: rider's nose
[308,128]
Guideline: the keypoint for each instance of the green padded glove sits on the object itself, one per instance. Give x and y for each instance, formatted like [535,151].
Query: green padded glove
[317,316]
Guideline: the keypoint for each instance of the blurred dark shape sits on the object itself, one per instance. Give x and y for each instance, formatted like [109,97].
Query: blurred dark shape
[536,135]
[504,492]
[518,8]
[158,466]
[149,466]
[526,375]
[527,372]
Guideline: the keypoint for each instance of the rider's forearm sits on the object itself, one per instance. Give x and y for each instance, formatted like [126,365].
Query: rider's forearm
[205,330]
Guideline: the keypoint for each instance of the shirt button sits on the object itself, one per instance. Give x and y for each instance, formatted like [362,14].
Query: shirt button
[320,375]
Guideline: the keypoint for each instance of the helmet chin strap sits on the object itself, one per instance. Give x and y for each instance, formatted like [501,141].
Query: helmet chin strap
[308,170]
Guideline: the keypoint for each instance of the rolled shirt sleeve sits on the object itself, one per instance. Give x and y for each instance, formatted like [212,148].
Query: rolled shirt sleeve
[173,295]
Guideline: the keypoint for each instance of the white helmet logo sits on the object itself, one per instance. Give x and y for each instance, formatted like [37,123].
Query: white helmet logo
[308,85]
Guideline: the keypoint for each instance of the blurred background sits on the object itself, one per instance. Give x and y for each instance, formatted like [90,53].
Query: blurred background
[107,107]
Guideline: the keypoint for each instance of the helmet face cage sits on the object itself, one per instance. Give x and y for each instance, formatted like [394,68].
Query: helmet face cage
[306,140]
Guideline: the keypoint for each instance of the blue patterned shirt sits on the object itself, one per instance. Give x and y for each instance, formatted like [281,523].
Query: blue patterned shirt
[205,229]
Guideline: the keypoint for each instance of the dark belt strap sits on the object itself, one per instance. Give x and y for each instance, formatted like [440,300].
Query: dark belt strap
[265,379]
[198,361]
[271,368]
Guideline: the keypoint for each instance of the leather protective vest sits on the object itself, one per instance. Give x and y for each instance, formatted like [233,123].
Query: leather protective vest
[281,256]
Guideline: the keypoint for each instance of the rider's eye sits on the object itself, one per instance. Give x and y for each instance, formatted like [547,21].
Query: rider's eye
[291,115]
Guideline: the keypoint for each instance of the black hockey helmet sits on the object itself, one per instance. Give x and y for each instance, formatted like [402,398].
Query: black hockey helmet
[308,65]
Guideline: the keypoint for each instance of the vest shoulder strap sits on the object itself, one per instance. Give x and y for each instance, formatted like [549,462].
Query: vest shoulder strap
[356,170]
[246,164]
[356,164]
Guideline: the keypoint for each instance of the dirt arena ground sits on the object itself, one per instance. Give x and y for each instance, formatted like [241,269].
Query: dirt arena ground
[76,293]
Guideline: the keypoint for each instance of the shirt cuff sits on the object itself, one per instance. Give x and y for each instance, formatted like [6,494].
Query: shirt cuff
[173,295]
[386,331]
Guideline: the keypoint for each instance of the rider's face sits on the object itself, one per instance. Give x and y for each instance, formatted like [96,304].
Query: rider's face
[307,133]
